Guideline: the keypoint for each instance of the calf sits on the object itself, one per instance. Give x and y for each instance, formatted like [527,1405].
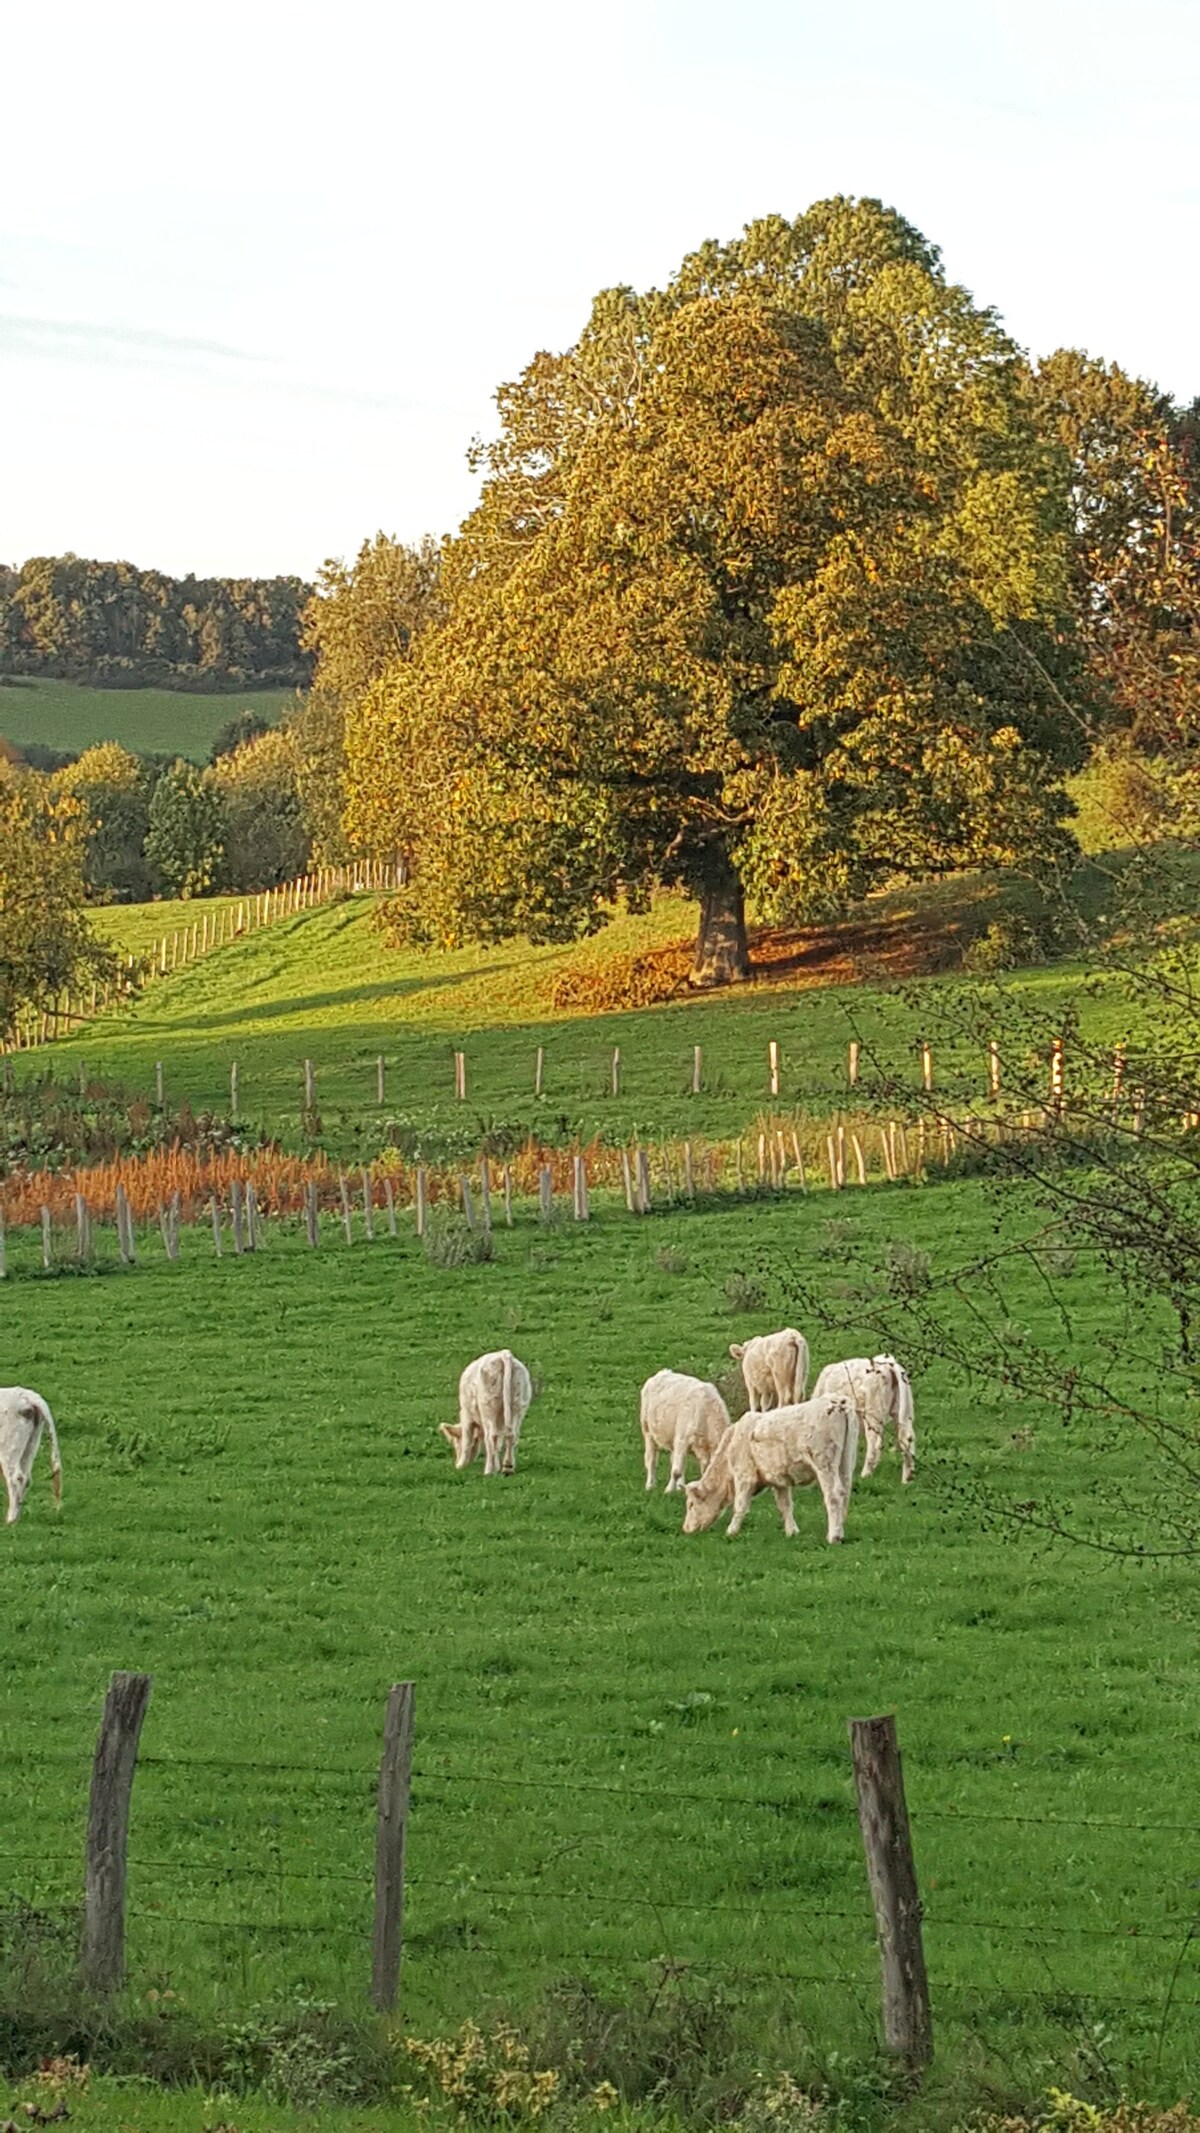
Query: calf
[680,1415]
[23,1418]
[792,1447]
[881,1392]
[775,1367]
[493,1396]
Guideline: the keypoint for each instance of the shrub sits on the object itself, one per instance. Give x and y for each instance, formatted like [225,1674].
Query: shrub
[906,1269]
[490,2078]
[1010,942]
[743,1293]
[449,1243]
[670,1260]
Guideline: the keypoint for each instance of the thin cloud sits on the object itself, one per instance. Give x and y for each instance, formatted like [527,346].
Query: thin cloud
[82,340]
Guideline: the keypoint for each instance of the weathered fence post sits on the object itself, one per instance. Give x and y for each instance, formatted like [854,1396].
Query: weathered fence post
[460,1076]
[485,1195]
[158,1083]
[697,1068]
[853,1061]
[379,1081]
[390,1200]
[994,1070]
[47,1239]
[83,1229]
[368,1208]
[125,1239]
[108,1830]
[616,1070]
[643,1182]
[235,1211]
[508,1196]
[1118,1081]
[233,1092]
[310,1086]
[627,1178]
[926,1065]
[254,1227]
[421,1200]
[859,1158]
[1056,1074]
[391,1830]
[216,1224]
[539,1065]
[773,1062]
[347,1218]
[311,1221]
[582,1208]
[887,1842]
[546,1192]
[796,1149]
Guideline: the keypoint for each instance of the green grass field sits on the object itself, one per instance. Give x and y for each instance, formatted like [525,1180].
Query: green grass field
[631,1745]
[322,986]
[72,716]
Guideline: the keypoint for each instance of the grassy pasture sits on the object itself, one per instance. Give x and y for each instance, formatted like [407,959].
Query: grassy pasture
[630,1745]
[322,986]
[73,716]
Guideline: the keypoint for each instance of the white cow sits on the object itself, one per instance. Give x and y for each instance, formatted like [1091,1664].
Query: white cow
[680,1415]
[23,1417]
[882,1393]
[775,1367]
[815,1441]
[494,1393]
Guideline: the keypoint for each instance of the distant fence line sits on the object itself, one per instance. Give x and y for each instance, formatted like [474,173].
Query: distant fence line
[239,1194]
[209,930]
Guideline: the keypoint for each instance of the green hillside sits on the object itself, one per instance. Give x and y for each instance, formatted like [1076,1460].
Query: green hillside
[72,716]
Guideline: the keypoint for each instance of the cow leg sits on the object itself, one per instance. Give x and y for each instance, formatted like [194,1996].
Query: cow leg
[16,1484]
[833,1489]
[677,1475]
[741,1504]
[874,1452]
[783,1497]
[651,1451]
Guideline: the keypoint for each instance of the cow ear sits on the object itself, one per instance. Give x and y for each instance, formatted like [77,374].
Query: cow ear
[737,1350]
[691,1487]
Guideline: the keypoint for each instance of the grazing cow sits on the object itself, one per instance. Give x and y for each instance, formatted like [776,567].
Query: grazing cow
[881,1392]
[23,1418]
[680,1415]
[493,1395]
[815,1441]
[775,1367]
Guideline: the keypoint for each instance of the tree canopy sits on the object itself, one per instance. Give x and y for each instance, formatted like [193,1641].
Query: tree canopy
[112,622]
[768,588]
[46,945]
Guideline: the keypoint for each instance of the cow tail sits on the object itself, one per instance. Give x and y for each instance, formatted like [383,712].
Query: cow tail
[850,1447]
[506,1369]
[800,1374]
[55,1460]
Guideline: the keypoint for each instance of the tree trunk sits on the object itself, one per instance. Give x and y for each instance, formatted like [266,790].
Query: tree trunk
[722,957]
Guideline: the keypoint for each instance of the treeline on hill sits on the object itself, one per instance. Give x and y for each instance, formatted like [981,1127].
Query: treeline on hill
[113,624]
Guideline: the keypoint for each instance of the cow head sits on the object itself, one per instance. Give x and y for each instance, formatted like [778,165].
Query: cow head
[458,1438]
[700,1511]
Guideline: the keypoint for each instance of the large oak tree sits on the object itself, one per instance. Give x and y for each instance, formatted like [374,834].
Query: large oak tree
[767,590]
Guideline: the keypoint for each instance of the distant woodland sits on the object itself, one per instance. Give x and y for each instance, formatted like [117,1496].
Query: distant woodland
[114,625]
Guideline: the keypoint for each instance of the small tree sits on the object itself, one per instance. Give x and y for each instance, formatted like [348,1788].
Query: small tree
[113,789]
[47,947]
[265,838]
[186,840]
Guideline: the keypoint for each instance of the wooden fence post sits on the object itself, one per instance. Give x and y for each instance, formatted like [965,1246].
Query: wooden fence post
[627,1177]
[391,1830]
[546,1192]
[582,1208]
[158,1083]
[390,1201]
[125,1238]
[216,1224]
[233,1092]
[539,1066]
[108,1830]
[311,1223]
[887,1842]
[368,1208]
[421,1200]
[994,1070]
[310,1086]
[83,1229]
[689,1178]
[853,1061]
[616,1070]
[773,1063]
[460,1076]
[379,1082]
[1056,1074]
[926,1065]
[347,1218]
[697,1068]
[856,1144]
[508,1196]
[235,1212]
[47,1240]
[485,1195]
[643,1182]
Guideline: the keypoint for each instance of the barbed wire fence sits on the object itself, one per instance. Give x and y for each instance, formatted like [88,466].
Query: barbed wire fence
[364,1915]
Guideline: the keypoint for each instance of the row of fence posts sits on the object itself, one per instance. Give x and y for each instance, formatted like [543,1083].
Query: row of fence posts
[904,1155]
[210,930]
[882,1815]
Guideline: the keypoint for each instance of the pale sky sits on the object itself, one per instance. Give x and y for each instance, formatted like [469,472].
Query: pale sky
[262,266]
